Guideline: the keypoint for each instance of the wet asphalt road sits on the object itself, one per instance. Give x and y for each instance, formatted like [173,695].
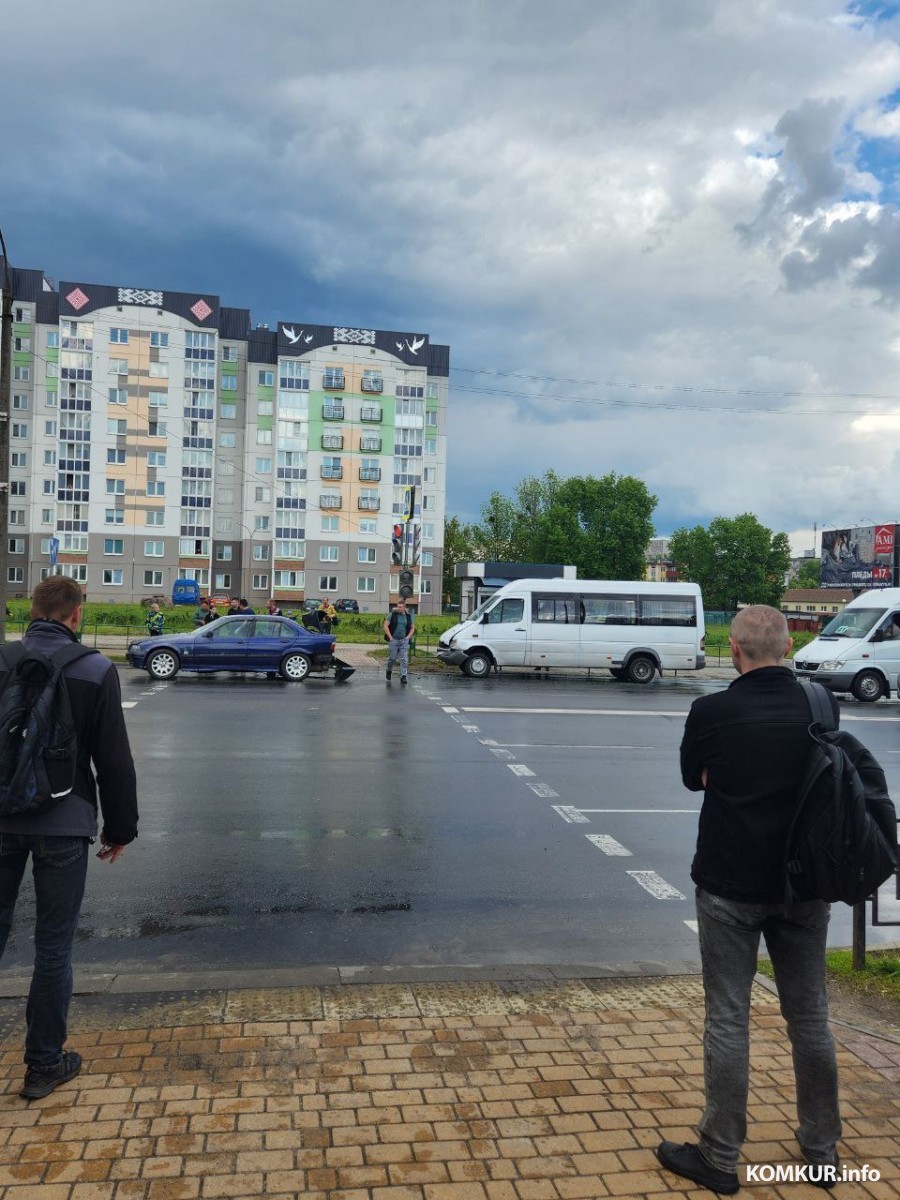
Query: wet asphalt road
[515,820]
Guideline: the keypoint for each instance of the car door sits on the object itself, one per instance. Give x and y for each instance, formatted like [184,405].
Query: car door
[222,646]
[266,645]
[554,637]
[505,632]
[884,648]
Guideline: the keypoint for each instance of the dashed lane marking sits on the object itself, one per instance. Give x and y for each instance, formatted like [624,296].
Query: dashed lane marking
[656,885]
[609,845]
[471,729]
[695,811]
[626,712]
[488,741]
[693,925]
[129,703]
[544,790]
[563,746]
[520,769]
[448,708]
[504,754]
[571,814]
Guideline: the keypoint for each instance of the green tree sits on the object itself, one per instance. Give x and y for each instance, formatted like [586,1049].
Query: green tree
[457,548]
[736,560]
[500,535]
[808,574]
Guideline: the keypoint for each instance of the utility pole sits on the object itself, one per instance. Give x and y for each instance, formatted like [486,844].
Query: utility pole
[5,407]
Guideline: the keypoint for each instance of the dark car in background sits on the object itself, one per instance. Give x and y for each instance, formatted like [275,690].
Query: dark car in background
[277,646]
[347,606]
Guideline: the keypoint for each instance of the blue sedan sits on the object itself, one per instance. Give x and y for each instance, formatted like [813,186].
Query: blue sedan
[274,645]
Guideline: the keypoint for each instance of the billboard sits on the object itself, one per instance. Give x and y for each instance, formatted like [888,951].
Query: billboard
[858,558]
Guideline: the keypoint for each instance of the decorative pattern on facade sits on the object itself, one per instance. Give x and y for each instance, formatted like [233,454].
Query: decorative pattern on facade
[78,299]
[140,296]
[201,310]
[355,337]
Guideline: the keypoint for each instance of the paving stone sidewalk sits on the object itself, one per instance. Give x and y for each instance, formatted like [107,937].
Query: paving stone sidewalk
[446,1091]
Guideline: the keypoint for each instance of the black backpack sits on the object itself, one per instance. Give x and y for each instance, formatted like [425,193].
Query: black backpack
[38,746]
[836,849]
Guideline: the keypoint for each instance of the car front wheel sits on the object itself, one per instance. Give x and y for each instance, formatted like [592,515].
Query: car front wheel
[477,665]
[163,664]
[295,667]
[640,669]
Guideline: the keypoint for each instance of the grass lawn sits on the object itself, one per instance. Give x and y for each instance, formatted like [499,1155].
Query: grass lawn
[881,976]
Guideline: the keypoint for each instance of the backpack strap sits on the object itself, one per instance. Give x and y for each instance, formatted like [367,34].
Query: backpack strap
[70,653]
[819,704]
[11,655]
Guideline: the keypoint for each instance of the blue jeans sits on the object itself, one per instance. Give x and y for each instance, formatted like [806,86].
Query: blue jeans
[795,940]
[59,867]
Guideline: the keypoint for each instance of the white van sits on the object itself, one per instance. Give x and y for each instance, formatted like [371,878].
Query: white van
[858,651]
[633,629]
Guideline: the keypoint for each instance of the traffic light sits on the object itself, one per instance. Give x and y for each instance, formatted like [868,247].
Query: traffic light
[397,546]
[406,584]
[417,545]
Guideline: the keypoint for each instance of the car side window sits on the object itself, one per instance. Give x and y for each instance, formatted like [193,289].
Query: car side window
[267,629]
[507,611]
[231,629]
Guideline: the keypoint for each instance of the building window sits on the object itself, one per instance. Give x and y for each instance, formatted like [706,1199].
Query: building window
[365,583]
[265,408]
[19,458]
[429,475]
[156,429]
[365,554]
[156,487]
[263,465]
[20,429]
[263,494]
[115,487]
[53,340]
[223,581]
[158,400]
[261,524]
[159,370]
[428,530]
[118,366]
[154,549]
[51,399]
[427,558]
[328,583]
[431,419]
[114,516]
[49,485]
[368,525]
[17,487]
[15,574]
[119,337]
[330,524]
[227,412]
[113,546]
[431,445]
[224,553]
[328,554]
[266,379]
[156,458]
[160,340]
[372,381]
[153,578]
[333,377]
[17,516]
[264,437]
[290,549]
[116,428]
[155,517]
[115,456]
[50,429]
[229,354]
[21,374]
[424,587]
[260,553]
[48,516]
[118,395]
[290,579]
[16,545]
[228,383]
[227,441]
[260,583]
[20,402]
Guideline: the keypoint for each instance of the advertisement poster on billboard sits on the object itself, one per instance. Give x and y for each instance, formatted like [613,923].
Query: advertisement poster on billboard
[858,558]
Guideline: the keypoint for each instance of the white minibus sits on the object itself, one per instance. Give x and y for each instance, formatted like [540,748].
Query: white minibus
[858,651]
[632,629]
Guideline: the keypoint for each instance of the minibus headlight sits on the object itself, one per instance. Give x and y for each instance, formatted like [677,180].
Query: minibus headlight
[833,664]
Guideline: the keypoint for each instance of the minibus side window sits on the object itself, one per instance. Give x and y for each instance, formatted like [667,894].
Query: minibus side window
[610,610]
[506,611]
[668,610]
[560,610]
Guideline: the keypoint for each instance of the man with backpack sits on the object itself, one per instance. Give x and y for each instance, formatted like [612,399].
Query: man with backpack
[399,630]
[747,749]
[60,712]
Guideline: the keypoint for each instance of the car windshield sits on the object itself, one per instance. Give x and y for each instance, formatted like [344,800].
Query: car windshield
[853,622]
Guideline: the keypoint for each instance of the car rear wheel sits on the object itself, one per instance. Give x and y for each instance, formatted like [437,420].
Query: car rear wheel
[295,667]
[477,665]
[163,664]
[640,669]
[868,686]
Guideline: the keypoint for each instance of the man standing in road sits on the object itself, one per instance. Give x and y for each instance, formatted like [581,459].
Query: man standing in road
[746,748]
[399,629]
[58,838]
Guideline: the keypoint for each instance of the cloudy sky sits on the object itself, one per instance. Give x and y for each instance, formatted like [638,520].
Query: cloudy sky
[661,237]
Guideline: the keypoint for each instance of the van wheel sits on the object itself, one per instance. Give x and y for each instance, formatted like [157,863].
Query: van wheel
[867,686]
[640,669]
[477,665]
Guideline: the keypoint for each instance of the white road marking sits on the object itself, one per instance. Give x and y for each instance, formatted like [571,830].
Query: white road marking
[488,741]
[627,712]
[563,746]
[544,790]
[448,708]
[656,885]
[471,729]
[520,769]
[609,845]
[129,703]
[571,814]
[504,754]
[695,811]
[693,925]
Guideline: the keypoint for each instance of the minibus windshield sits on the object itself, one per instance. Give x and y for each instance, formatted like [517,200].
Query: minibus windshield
[482,608]
[853,622]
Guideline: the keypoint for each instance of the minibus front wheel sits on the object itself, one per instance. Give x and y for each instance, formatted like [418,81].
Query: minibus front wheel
[477,665]
[868,686]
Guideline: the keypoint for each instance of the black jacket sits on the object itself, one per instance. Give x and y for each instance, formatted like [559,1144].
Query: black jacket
[754,741]
[96,700]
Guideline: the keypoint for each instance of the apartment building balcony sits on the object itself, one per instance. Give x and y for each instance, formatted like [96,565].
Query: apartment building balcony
[370,474]
[372,383]
[371,413]
[333,379]
[330,500]
[369,504]
[332,441]
[369,444]
[332,473]
[333,412]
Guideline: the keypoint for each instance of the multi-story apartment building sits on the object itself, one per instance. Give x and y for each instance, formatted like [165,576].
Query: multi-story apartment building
[157,435]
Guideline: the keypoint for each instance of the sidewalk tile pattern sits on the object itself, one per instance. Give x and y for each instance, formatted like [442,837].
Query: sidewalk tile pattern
[469,1091]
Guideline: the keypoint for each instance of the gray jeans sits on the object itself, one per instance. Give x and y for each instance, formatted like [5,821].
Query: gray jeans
[795,940]
[399,649]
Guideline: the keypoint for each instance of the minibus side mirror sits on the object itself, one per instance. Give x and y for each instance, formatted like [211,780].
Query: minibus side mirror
[878,635]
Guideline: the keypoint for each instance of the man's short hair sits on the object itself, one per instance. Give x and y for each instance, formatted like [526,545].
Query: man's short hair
[56,598]
[761,632]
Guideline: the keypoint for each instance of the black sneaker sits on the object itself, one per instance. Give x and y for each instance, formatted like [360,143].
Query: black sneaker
[40,1083]
[687,1161]
[403,680]
[387,676]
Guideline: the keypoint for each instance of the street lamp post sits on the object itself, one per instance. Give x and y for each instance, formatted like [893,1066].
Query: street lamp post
[5,407]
